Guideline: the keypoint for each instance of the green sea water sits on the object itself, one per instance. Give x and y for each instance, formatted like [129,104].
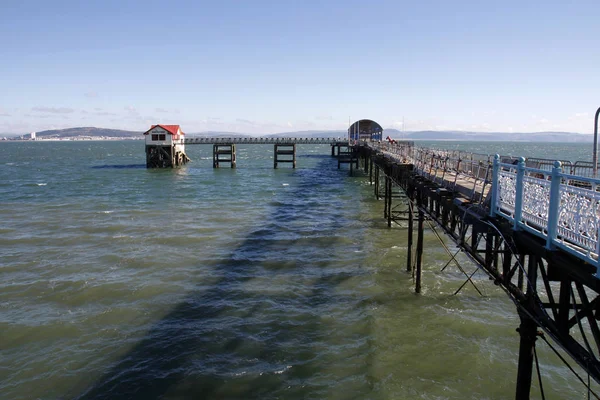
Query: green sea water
[119,282]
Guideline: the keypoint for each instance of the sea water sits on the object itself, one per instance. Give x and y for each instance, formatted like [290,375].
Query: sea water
[119,282]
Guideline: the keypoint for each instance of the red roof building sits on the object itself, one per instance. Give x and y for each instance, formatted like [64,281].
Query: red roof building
[172,129]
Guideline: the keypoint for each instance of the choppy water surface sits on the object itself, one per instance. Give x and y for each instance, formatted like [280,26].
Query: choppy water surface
[121,282]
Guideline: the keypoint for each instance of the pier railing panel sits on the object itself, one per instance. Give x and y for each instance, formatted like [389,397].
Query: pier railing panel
[547,205]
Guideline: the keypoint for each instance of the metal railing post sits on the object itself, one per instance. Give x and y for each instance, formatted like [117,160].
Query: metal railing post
[495,180]
[554,204]
[519,193]
[595,155]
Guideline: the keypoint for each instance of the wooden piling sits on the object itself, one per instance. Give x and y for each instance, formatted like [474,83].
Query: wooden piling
[161,156]
[224,153]
[281,154]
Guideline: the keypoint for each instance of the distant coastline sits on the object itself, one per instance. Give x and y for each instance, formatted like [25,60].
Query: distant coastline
[98,134]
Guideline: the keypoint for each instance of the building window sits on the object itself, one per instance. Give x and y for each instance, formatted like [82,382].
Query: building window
[161,137]
[154,138]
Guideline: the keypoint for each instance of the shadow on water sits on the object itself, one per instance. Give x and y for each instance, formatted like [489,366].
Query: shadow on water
[124,166]
[318,156]
[226,341]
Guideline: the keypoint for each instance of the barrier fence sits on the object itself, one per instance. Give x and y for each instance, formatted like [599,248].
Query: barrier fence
[558,201]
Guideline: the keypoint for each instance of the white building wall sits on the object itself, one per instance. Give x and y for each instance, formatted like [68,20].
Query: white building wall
[159,131]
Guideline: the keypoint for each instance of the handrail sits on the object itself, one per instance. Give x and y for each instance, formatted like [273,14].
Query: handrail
[547,205]
[558,204]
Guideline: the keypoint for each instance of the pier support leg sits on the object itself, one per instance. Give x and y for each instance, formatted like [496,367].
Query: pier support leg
[410,237]
[385,196]
[282,153]
[370,170]
[224,153]
[376,186]
[528,332]
[389,199]
[419,251]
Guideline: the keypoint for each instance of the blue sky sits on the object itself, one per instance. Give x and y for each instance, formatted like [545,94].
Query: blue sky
[272,66]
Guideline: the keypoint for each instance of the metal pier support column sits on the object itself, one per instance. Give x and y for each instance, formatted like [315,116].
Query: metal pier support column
[388,181]
[528,332]
[385,196]
[410,237]
[419,251]
[376,179]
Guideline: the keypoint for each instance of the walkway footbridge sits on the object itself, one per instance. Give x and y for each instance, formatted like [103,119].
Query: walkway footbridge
[530,224]
[263,140]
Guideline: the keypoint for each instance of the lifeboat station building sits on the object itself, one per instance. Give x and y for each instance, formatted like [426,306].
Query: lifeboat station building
[165,146]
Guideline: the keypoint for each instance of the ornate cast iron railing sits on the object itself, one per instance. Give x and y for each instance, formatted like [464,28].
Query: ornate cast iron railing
[563,209]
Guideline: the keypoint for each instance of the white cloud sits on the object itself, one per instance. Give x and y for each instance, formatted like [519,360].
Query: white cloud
[53,110]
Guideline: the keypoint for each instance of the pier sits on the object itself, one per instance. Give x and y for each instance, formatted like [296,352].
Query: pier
[530,224]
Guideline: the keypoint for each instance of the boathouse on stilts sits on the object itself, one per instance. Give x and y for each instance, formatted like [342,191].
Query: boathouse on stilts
[165,147]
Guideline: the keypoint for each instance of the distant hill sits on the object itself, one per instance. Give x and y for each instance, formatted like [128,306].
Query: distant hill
[87,131]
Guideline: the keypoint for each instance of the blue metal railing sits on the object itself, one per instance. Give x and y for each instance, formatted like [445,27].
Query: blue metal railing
[563,209]
[557,201]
